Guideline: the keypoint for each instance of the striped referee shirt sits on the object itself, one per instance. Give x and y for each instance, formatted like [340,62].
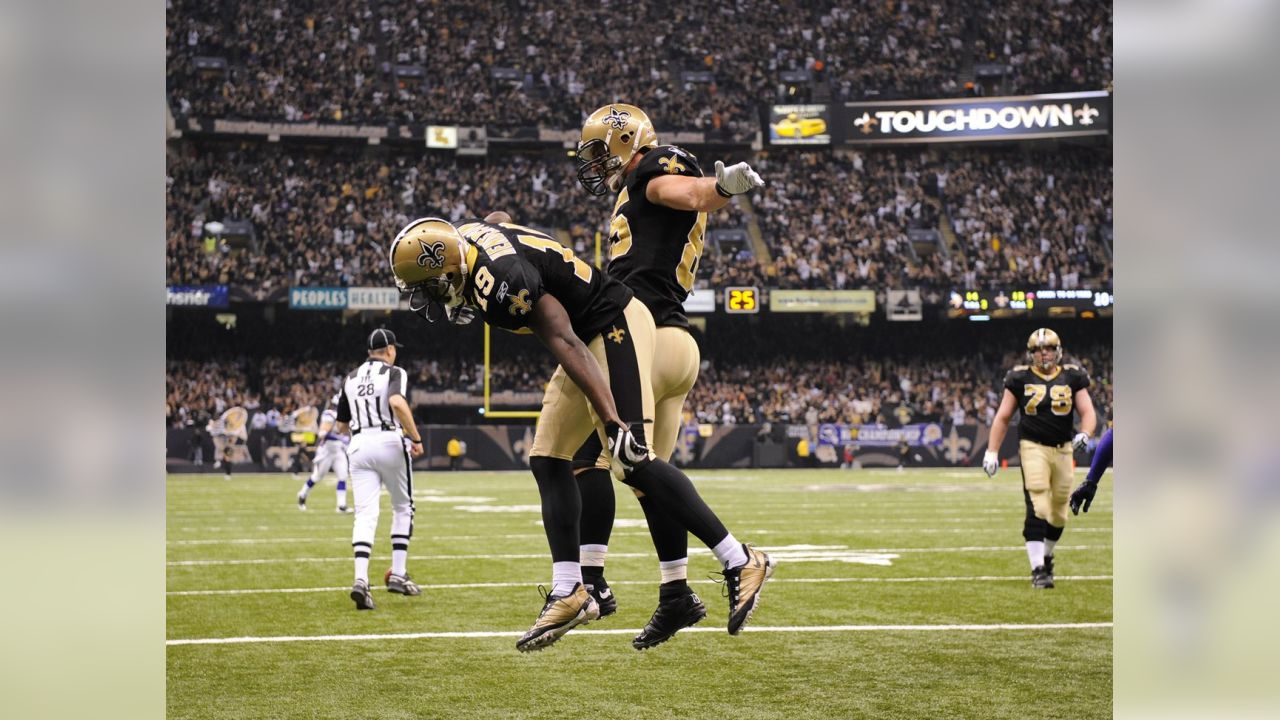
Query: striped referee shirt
[365,402]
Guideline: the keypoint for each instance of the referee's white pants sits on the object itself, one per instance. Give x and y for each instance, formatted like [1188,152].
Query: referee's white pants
[378,459]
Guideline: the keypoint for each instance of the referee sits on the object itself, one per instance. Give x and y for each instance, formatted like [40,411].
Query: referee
[373,406]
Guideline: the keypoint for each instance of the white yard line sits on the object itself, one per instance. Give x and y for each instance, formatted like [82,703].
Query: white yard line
[477,586]
[536,556]
[633,631]
[526,536]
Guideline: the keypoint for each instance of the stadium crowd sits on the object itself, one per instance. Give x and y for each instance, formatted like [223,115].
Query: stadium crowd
[856,391]
[827,219]
[892,392]
[837,220]
[543,63]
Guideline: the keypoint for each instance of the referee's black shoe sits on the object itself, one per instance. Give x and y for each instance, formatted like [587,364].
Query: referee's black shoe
[360,593]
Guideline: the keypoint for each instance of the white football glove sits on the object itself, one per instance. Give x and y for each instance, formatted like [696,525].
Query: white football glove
[627,452]
[736,179]
[1080,441]
[991,463]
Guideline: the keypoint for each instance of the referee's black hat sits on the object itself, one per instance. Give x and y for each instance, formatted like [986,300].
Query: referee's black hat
[381,338]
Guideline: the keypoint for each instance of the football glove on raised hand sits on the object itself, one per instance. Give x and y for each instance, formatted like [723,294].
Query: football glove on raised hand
[736,179]
[627,452]
[1080,441]
[1082,496]
[991,463]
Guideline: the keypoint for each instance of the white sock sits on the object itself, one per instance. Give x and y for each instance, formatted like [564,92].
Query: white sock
[362,569]
[1035,553]
[729,552]
[564,575]
[398,560]
[1048,547]
[342,497]
[592,555]
[673,570]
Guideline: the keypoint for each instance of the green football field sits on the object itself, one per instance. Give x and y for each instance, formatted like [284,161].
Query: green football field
[897,595]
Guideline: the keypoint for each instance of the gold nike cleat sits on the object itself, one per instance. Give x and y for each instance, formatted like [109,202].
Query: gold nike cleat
[743,585]
[560,614]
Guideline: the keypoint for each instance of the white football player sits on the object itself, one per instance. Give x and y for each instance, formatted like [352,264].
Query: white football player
[331,452]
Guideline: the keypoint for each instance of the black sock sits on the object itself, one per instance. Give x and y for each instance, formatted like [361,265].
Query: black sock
[673,589]
[598,506]
[1033,528]
[561,506]
[670,538]
[675,495]
[594,575]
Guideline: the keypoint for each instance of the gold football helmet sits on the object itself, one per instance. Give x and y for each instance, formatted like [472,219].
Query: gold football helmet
[431,261]
[1044,339]
[610,138]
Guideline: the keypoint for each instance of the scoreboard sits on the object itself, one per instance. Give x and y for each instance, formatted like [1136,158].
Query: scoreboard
[1000,304]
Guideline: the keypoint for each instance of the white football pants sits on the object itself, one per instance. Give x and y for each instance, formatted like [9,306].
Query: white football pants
[378,459]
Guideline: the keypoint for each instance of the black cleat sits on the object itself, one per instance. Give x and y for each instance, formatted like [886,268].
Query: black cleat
[1041,579]
[360,593]
[1048,568]
[672,616]
[604,597]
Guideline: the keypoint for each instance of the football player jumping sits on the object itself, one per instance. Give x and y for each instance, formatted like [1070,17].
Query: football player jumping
[520,279]
[655,243]
[1046,393]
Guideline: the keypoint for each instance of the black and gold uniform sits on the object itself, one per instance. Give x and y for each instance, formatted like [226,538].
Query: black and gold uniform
[1047,404]
[513,267]
[516,265]
[655,249]
[1046,401]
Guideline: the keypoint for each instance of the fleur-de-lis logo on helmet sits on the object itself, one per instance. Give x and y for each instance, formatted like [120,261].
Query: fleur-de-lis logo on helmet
[432,254]
[616,119]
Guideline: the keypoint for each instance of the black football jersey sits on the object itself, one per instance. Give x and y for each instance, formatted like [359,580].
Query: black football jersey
[655,249]
[516,265]
[1046,401]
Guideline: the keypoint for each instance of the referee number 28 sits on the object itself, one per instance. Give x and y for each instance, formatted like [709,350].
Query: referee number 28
[363,390]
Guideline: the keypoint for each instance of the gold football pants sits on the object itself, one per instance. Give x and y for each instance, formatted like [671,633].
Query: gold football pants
[1047,477]
[625,353]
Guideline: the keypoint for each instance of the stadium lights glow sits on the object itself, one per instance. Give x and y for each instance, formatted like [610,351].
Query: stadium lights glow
[979,318]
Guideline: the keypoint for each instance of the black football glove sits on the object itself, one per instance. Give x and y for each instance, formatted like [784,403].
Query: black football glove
[1082,497]
[627,452]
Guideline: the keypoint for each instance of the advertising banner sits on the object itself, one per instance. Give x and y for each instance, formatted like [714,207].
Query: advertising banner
[442,136]
[800,125]
[971,119]
[904,305]
[832,301]
[701,301]
[373,298]
[318,298]
[915,435]
[214,296]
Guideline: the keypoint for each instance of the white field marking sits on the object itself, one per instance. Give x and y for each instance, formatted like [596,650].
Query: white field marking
[886,487]
[637,523]
[692,551]
[489,586]
[499,508]
[633,631]
[474,499]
